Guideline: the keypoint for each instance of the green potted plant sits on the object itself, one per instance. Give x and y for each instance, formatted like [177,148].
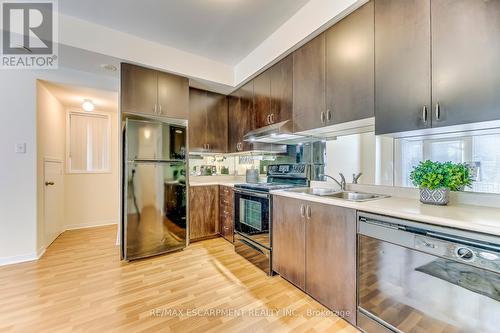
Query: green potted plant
[437,179]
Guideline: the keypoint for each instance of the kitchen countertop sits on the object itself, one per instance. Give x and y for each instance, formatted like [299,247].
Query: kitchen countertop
[466,217]
[215,180]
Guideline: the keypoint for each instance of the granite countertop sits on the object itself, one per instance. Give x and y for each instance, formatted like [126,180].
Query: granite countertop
[466,217]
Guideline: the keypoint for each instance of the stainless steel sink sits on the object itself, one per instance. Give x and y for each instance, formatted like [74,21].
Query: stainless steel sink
[356,196]
[314,191]
[345,195]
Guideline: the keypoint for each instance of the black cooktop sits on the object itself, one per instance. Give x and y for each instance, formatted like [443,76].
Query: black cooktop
[280,177]
[265,187]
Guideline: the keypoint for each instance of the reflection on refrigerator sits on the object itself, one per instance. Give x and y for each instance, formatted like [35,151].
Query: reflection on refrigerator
[154,219]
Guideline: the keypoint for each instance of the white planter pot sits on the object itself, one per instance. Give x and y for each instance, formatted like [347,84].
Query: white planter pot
[440,196]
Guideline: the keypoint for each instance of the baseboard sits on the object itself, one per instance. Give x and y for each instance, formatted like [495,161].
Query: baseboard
[18,259]
[90,224]
[41,252]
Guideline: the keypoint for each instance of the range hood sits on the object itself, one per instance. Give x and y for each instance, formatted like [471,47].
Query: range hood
[279,133]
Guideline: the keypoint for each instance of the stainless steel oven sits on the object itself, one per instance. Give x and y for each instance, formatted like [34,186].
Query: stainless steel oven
[414,277]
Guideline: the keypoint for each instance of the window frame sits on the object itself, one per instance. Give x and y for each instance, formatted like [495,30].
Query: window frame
[68,168]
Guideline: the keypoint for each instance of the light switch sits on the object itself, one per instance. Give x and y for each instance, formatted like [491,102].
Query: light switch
[20,148]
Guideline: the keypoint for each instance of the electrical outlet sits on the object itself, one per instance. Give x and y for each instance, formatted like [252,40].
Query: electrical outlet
[20,148]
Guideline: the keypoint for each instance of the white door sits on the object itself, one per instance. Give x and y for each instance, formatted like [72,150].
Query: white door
[53,200]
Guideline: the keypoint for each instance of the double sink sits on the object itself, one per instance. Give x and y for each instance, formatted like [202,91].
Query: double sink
[345,195]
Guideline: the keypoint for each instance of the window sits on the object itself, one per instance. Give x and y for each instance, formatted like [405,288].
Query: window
[482,152]
[88,143]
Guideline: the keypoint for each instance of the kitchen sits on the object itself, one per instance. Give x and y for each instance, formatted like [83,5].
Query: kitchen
[350,184]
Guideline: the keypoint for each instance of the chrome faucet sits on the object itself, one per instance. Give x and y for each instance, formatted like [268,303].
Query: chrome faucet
[342,183]
[355,177]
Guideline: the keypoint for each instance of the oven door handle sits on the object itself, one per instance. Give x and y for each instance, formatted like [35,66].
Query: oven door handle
[252,193]
[247,243]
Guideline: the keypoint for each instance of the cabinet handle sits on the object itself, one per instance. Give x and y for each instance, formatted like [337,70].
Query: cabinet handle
[272,118]
[155,108]
[322,117]
[438,112]
[424,113]
[268,119]
[208,146]
[302,211]
[159,108]
[309,212]
[328,115]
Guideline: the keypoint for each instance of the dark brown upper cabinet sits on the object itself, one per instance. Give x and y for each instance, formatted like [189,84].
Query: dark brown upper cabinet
[241,117]
[173,95]
[147,91]
[273,91]
[208,128]
[465,80]
[350,67]
[309,104]
[262,99]
[138,89]
[402,65]
[465,61]
[197,120]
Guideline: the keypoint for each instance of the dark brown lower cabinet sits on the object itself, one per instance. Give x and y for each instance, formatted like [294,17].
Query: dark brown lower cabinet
[289,241]
[203,212]
[331,258]
[226,199]
[314,247]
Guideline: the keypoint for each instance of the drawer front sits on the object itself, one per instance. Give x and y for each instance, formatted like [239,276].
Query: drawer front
[226,200]
[227,193]
[227,229]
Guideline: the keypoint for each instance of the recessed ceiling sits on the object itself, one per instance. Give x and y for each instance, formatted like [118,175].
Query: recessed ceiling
[73,96]
[222,30]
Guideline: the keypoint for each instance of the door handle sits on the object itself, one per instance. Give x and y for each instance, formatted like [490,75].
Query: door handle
[308,212]
[302,211]
[49,183]
[438,111]
[424,113]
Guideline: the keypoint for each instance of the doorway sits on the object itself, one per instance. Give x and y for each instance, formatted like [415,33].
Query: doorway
[78,169]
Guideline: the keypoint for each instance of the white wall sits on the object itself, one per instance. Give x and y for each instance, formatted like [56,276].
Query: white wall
[51,122]
[18,172]
[91,199]
[315,16]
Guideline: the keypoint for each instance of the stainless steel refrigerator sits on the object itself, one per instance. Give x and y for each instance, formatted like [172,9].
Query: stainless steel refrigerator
[154,188]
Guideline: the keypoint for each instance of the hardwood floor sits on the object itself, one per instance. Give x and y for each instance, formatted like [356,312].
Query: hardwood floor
[80,285]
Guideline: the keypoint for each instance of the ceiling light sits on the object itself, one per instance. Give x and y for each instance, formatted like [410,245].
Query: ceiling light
[88,105]
[109,67]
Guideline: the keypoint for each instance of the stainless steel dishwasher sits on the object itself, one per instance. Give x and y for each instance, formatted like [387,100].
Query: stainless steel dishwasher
[415,277]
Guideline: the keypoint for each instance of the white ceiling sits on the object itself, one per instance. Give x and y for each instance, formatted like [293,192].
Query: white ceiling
[221,30]
[73,96]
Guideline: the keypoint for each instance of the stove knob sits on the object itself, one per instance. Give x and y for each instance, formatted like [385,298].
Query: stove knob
[465,253]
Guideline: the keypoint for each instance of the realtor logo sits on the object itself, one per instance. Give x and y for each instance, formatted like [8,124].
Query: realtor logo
[29,34]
